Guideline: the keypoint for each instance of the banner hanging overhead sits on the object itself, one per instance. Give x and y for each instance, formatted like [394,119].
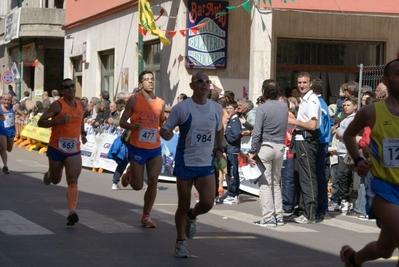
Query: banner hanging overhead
[11,26]
[206,35]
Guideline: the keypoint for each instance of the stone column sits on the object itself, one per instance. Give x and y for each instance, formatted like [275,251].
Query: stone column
[260,51]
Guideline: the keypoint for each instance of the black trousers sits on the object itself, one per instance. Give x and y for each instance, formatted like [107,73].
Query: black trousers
[345,181]
[305,173]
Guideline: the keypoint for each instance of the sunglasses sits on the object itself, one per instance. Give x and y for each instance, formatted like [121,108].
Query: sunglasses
[68,86]
[202,81]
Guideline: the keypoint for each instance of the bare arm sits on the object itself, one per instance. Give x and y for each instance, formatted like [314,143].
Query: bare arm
[364,117]
[131,103]
[310,125]
[54,109]
[82,128]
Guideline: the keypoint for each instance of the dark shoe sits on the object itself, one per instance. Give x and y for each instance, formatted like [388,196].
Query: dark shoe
[72,219]
[46,180]
[5,170]
[352,212]
[323,216]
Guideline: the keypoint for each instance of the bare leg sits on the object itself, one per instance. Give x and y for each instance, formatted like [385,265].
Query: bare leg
[3,147]
[184,198]
[388,241]
[153,170]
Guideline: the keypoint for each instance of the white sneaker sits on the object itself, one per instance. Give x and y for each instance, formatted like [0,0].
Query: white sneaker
[231,200]
[181,250]
[345,206]
[115,187]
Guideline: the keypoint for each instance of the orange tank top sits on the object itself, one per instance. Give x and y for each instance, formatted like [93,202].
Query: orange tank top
[65,137]
[147,114]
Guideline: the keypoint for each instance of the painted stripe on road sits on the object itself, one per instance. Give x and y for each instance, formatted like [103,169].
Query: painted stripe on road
[350,226]
[102,223]
[32,163]
[225,237]
[250,219]
[14,224]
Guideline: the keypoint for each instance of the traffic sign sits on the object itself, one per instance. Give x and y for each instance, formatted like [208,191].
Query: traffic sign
[7,77]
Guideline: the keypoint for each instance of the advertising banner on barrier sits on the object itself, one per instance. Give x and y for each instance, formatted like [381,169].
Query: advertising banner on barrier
[32,131]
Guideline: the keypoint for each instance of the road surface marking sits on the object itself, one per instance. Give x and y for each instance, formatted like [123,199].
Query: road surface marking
[102,223]
[14,224]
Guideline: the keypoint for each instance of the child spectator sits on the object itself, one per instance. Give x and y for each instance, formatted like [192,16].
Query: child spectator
[233,138]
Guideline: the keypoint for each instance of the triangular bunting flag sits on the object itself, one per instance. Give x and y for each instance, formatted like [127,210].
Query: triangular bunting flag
[247,6]
[220,14]
[194,30]
[183,32]
[231,8]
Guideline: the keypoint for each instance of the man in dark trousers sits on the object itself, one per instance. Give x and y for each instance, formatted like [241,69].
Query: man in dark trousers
[306,143]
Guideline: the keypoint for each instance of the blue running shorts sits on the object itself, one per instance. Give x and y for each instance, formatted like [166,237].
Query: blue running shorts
[57,155]
[141,155]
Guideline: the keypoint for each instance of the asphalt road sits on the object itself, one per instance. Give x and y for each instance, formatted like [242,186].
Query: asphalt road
[33,230]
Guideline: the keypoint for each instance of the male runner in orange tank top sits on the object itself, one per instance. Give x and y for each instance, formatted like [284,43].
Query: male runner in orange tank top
[146,113]
[63,150]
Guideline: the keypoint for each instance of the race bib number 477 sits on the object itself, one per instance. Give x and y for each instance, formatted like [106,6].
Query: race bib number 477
[148,135]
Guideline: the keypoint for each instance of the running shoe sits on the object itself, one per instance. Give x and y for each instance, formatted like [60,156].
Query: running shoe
[303,220]
[191,227]
[124,180]
[231,200]
[345,255]
[181,250]
[363,217]
[72,219]
[147,222]
[115,186]
[46,180]
[280,220]
[5,170]
[269,223]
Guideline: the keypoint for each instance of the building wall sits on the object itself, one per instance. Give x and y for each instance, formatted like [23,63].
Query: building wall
[112,32]
[338,26]
[251,45]
[341,6]
[82,9]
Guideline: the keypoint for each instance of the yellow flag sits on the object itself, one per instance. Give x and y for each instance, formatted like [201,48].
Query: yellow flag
[146,20]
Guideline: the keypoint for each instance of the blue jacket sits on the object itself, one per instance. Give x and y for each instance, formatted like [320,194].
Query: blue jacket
[118,151]
[233,135]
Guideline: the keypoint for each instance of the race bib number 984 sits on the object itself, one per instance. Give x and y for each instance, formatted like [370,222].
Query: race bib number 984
[201,137]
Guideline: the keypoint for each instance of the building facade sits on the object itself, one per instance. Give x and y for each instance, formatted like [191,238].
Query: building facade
[328,38]
[31,40]
[101,44]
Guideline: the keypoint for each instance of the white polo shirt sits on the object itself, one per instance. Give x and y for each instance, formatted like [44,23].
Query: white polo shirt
[308,108]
